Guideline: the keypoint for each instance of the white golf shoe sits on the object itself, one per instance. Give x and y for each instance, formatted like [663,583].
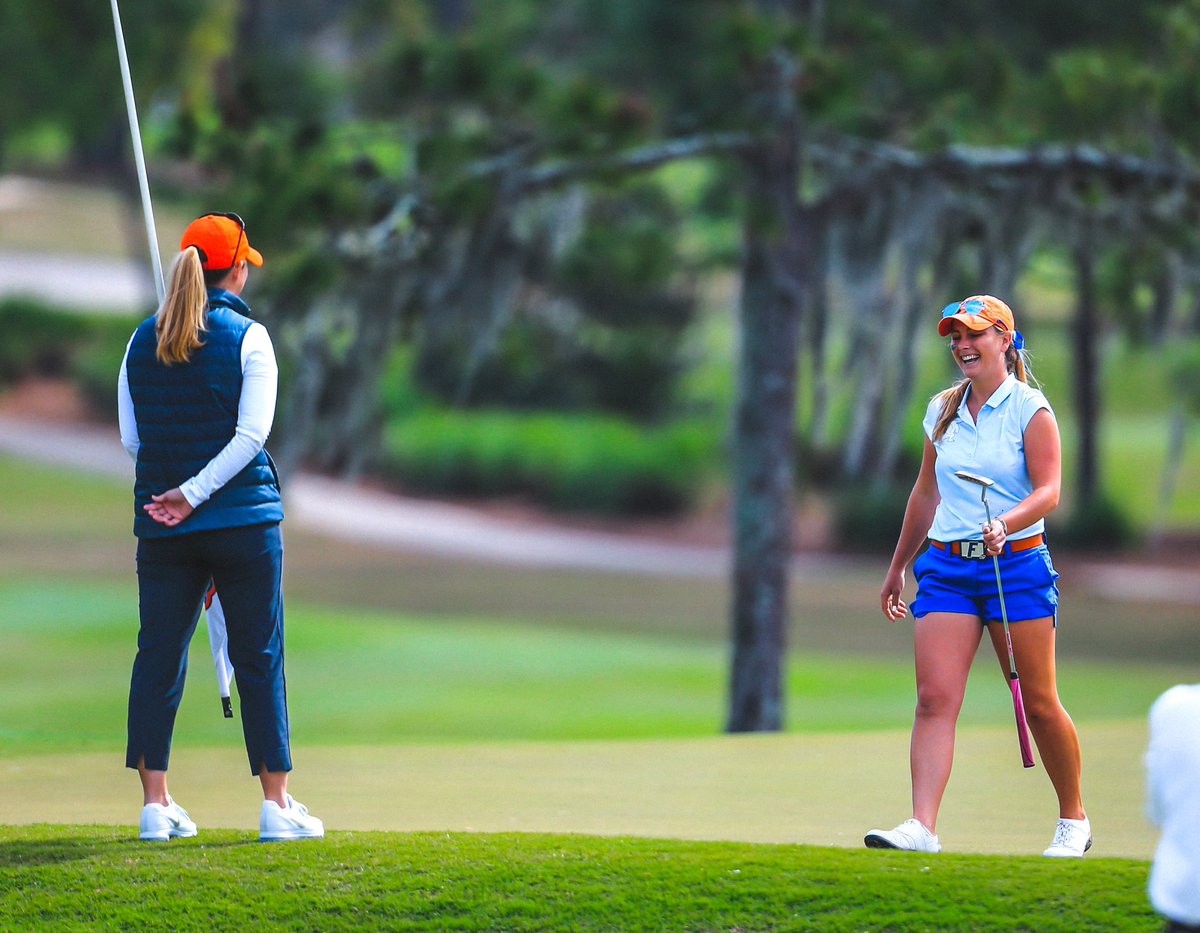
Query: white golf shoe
[911,836]
[161,823]
[280,824]
[1071,839]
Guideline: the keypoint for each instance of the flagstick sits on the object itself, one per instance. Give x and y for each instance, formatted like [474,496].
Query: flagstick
[214,623]
[138,157]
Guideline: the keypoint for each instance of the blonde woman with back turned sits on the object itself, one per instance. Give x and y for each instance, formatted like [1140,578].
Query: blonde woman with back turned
[196,401]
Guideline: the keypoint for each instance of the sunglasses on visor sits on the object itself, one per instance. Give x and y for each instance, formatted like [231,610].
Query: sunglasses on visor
[974,306]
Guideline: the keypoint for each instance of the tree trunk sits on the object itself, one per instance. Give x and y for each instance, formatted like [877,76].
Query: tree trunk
[1169,481]
[911,334]
[353,399]
[775,265]
[1178,430]
[816,326]
[1087,369]
[762,491]
[1167,288]
[913,302]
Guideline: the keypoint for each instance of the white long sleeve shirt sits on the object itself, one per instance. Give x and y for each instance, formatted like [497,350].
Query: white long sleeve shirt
[1173,802]
[256,414]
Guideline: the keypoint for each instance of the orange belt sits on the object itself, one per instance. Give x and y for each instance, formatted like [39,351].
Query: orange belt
[974,550]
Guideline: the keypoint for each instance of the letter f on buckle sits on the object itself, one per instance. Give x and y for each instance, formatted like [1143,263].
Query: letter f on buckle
[973,550]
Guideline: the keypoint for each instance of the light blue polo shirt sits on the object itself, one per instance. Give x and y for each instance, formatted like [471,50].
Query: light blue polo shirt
[993,447]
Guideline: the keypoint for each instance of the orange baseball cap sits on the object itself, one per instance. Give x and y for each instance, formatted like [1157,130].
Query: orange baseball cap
[221,240]
[979,312]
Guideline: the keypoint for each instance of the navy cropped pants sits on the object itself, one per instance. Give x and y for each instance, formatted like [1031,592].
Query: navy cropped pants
[246,564]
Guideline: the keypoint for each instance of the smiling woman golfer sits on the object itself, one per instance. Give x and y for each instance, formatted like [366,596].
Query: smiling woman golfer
[196,400]
[991,422]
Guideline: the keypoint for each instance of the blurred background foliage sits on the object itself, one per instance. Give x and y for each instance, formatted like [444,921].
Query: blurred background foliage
[504,237]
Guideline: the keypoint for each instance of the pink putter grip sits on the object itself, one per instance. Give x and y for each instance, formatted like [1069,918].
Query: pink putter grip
[1022,726]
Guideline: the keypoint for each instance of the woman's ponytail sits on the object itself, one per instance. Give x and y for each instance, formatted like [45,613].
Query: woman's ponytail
[951,399]
[1018,365]
[181,317]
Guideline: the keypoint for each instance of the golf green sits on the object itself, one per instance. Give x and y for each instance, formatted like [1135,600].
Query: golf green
[824,789]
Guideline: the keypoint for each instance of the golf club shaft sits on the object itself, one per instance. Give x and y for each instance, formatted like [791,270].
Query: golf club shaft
[1014,679]
[138,156]
[1012,660]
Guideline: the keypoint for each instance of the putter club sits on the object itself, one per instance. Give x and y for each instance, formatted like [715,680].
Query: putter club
[1014,680]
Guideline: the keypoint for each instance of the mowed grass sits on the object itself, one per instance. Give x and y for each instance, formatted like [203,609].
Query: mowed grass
[75,877]
[367,678]
[601,722]
[557,661]
[386,647]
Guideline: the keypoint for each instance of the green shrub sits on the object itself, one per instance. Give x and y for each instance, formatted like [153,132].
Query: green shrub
[98,362]
[869,520]
[574,462]
[399,395]
[1101,526]
[37,340]
[46,341]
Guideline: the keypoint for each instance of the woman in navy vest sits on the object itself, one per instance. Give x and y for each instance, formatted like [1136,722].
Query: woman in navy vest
[196,402]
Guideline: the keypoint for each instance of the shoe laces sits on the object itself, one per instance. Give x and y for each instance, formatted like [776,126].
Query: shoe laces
[294,804]
[1063,833]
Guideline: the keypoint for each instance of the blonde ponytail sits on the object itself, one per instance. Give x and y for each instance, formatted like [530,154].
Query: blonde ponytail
[181,317]
[1018,365]
[951,399]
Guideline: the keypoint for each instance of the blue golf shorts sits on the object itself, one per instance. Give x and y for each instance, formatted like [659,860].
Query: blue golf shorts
[948,583]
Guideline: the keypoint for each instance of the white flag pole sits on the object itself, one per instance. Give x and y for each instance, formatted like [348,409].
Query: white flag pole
[138,157]
[216,621]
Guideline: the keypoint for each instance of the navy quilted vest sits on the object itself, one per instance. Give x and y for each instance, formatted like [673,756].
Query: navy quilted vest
[186,414]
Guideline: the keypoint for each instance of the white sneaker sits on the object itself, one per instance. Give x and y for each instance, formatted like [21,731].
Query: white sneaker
[278,824]
[161,823]
[911,836]
[1071,839]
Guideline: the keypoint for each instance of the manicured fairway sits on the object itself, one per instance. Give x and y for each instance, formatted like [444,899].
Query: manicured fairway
[74,877]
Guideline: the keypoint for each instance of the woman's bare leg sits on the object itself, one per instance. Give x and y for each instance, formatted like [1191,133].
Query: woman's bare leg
[1053,730]
[944,647]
